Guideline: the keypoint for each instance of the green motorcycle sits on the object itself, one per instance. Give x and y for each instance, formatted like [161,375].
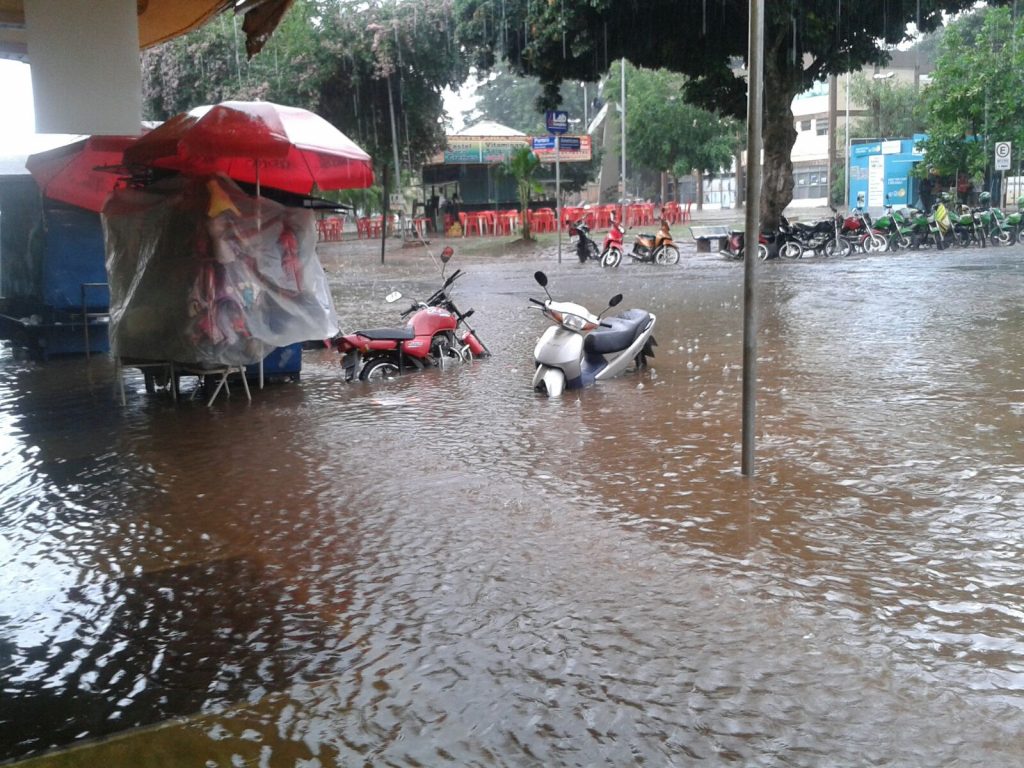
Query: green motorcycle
[992,222]
[895,227]
[926,230]
[1014,222]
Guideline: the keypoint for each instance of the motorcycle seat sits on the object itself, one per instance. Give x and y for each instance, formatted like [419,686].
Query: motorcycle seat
[388,334]
[625,328]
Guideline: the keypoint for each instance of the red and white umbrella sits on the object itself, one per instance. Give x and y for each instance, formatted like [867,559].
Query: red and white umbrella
[258,142]
[79,173]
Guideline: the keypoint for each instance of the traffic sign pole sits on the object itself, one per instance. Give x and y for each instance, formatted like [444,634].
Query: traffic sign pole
[1003,150]
[558,193]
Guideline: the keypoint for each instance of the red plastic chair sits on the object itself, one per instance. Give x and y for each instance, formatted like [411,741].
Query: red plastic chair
[473,223]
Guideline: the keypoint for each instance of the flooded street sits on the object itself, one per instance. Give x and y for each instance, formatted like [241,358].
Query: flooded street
[450,569]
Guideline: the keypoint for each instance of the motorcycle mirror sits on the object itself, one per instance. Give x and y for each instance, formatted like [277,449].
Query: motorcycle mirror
[541,278]
[392,297]
[615,300]
[447,254]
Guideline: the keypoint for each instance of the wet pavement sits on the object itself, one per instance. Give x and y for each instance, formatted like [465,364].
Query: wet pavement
[450,569]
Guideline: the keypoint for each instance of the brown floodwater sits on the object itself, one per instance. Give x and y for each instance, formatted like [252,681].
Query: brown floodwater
[450,569]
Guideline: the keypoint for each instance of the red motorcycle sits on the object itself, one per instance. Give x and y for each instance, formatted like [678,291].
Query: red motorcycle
[612,248]
[437,332]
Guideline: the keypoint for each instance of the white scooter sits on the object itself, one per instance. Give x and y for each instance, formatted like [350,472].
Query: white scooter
[581,348]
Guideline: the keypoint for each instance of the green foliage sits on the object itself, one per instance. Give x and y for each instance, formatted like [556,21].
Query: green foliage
[664,131]
[522,165]
[898,109]
[333,57]
[974,99]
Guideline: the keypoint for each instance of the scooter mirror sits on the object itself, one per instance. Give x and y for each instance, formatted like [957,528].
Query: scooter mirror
[392,297]
[447,254]
[541,278]
[616,300]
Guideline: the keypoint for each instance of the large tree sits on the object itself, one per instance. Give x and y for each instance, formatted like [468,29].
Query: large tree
[517,101]
[804,42]
[974,99]
[335,57]
[665,132]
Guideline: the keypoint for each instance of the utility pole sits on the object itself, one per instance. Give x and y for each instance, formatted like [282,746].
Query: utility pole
[622,99]
[755,57]
[398,168]
[833,99]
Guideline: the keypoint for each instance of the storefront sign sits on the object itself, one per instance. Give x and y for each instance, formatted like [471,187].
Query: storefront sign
[489,150]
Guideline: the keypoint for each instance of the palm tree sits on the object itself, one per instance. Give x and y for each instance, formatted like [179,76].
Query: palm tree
[521,165]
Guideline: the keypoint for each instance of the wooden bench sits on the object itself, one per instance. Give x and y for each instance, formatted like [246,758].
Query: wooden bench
[703,237]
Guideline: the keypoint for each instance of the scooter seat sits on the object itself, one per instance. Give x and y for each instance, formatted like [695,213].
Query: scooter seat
[388,334]
[625,329]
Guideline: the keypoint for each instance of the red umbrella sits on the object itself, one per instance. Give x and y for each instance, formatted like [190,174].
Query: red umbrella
[73,173]
[257,142]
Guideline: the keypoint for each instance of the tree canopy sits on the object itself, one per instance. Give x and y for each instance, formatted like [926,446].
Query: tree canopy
[803,43]
[974,98]
[334,57]
[516,101]
[664,131]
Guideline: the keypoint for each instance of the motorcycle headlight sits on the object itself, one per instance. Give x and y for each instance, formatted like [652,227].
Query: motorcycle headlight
[574,322]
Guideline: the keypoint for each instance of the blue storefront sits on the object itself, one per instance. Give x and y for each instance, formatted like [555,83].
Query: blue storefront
[883,168]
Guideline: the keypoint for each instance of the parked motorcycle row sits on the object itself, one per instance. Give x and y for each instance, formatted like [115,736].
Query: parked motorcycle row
[907,228]
[579,349]
[657,248]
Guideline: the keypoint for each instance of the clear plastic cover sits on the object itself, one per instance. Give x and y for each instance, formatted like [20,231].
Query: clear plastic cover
[201,273]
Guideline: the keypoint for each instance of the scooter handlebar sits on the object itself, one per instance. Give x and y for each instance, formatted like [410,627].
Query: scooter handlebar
[538,302]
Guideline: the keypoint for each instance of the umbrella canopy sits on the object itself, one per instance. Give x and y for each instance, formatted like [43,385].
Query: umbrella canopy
[72,173]
[256,142]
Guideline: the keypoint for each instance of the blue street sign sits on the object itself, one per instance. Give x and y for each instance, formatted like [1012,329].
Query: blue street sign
[543,142]
[557,121]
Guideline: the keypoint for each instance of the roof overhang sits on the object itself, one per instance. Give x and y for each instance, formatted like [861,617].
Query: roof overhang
[84,54]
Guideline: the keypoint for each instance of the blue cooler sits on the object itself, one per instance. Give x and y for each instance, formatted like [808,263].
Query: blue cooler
[282,363]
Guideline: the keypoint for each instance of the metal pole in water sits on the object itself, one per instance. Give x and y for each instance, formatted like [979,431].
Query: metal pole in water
[752,231]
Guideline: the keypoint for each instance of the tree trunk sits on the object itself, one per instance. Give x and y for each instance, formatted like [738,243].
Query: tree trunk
[779,138]
[700,189]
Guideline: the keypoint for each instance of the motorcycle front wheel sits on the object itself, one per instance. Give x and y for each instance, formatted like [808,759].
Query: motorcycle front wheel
[837,248]
[552,382]
[612,258]
[667,255]
[875,243]
[762,252]
[791,250]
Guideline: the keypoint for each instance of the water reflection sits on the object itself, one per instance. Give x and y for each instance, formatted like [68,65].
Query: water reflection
[448,569]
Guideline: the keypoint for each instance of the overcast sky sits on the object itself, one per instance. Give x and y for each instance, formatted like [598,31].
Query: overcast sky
[17,128]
